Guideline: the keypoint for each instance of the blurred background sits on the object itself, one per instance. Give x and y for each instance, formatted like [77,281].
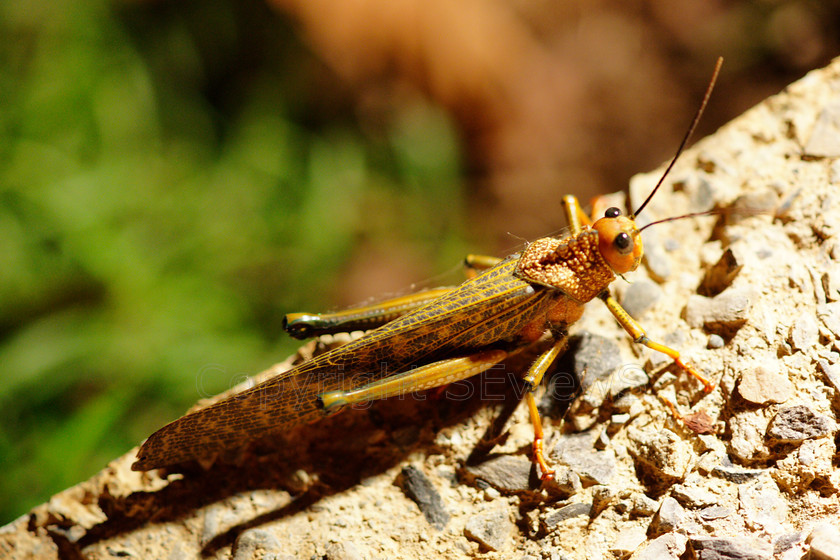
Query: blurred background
[177,175]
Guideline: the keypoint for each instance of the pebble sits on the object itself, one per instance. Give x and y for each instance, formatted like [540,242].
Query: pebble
[829,315]
[723,314]
[669,517]
[662,454]
[711,513]
[591,465]
[603,440]
[693,495]
[702,196]
[713,444]
[341,551]
[825,542]
[566,482]
[762,506]
[764,385]
[715,341]
[721,275]
[737,475]
[491,494]
[594,357]
[257,543]
[656,261]
[805,333]
[825,138]
[640,296]
[798,423]
[619,420]
[603,496]
[786,542]
[638,504]
[226,514]
[667,547]
[819,227]
[627,404]
[627,378]
[747,441]
[699,422]
[490,530]
[832,373]
[813,451]
[734,548]
[809,465]
[831,282]
[508,473]
[568,511]
[627,541]
[417,486]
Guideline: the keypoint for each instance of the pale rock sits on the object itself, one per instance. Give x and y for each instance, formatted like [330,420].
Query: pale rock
[627,541]
[812,461]
[825,542]
[723,314]
[662,454]
[490,530]
[764,385]
[763,506]
[669,517]
[747,436]
[805,333]
[825,137]
[667,547]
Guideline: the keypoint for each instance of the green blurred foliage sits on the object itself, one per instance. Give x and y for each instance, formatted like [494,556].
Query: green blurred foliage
[174,177]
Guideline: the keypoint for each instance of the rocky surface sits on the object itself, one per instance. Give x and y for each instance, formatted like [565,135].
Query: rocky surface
[752,298]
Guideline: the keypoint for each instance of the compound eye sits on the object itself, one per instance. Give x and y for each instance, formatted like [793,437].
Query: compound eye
[612,212]
[623,243]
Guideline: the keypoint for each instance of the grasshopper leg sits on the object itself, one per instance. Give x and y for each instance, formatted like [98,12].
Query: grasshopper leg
[532,380]
[309,325]
[476,263]
[428,376]
[449,371]
[635,330]
[575,216]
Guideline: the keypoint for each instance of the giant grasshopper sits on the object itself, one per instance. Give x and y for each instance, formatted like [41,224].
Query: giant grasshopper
[436,337]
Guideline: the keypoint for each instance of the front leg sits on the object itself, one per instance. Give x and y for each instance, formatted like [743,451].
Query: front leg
[635,330]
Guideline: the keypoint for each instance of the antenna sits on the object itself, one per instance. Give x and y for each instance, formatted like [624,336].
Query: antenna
[688,134]
[673,218]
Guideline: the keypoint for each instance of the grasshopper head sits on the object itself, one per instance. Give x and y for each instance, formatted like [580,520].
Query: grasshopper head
[619,241]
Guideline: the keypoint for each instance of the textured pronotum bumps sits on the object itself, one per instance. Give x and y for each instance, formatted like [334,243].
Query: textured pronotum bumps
[572,265]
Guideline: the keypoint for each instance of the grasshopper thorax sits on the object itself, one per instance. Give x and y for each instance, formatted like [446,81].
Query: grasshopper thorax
[619,241]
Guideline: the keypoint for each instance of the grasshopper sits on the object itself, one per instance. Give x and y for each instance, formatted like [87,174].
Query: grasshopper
[436,337]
